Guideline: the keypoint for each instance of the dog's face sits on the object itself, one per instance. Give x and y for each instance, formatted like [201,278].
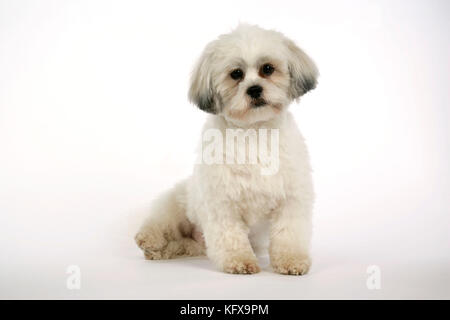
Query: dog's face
[251,75]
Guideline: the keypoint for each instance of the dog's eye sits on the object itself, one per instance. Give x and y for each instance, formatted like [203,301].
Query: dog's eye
[267,69]
[237,74]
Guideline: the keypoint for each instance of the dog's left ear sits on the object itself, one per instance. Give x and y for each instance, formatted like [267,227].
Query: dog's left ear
[201,90]
[302,69]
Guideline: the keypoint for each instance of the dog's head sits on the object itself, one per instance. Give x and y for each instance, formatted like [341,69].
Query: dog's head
[251,75]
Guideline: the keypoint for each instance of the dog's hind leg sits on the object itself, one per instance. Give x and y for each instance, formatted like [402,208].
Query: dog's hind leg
[167,233]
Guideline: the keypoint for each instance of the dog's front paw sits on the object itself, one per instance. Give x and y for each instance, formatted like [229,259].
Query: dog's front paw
[293,264]
[241,265]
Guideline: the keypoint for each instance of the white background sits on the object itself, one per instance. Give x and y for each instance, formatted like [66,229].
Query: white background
[94,123]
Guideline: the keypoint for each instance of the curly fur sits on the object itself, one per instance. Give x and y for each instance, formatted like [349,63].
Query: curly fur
[223,209]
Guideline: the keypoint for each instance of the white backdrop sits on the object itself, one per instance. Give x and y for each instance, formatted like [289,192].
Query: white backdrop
[93,101]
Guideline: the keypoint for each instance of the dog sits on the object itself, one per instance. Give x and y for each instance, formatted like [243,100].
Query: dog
[245,80]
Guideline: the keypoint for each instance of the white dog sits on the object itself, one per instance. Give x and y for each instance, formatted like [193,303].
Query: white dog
[246,79]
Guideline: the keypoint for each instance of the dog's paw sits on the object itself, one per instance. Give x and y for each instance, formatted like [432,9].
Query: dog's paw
[241,266]
[152,243]
[292,264]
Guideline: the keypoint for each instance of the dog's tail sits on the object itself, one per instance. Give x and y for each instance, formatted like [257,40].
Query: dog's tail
[167,233]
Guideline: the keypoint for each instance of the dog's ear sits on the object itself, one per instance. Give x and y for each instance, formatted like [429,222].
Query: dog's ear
[201,90]
[302,69]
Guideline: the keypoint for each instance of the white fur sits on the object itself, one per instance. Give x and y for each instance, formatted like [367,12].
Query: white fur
[220,205]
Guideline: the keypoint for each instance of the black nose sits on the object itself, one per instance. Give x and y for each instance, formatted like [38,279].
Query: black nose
[254,91]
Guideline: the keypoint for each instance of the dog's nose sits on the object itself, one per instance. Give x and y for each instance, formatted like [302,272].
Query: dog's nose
[254,91]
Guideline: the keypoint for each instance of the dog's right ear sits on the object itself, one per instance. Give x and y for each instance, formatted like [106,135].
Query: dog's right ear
[201,91]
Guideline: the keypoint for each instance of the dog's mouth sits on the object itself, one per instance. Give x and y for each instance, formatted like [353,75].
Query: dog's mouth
[259,102]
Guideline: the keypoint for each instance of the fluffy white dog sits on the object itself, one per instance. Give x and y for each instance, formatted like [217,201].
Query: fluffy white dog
[246,79]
